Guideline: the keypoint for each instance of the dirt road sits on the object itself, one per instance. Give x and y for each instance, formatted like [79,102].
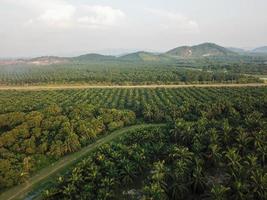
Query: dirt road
[20,191]
[64,87]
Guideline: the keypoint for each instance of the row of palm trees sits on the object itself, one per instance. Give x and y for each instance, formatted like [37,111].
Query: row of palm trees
[112,167]
[229,157]
[211,157]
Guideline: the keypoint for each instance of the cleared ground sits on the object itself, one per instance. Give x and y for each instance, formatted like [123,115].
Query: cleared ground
[63,87]
[20,191]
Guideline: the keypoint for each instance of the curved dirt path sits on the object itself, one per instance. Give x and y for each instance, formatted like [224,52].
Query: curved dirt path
[63,87]
[20,191]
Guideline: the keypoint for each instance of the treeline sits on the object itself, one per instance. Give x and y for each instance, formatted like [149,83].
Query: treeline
[120,73]
[245,68]
[30,141]
[246,65]
[218,152]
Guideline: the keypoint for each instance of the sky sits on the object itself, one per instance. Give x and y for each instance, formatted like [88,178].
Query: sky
[71,27]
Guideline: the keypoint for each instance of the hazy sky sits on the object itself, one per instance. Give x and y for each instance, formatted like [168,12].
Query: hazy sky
[66,27]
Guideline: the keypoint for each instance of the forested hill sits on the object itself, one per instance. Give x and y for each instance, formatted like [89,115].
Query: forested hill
[185,52]
[93,57]
[202,50]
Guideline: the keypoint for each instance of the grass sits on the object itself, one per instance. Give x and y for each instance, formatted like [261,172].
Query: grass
[43,177]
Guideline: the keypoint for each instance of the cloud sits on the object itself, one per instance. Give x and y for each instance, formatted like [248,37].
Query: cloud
[61,14]
[174,21]
[101,16]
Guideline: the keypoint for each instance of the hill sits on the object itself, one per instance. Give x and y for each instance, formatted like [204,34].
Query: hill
[47,60]
[44,60]
[260,50]
[141,56]
[237,50]
[93,57]
[181,54]
[202,50]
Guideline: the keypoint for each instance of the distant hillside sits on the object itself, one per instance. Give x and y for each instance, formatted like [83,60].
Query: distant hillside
[94,57]
[260,50]
[44,60]
[237,50]
[202,50]
[179,54]
[141,56]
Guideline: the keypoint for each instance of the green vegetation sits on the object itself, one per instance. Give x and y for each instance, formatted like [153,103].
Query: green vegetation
[54,123]
[122,73]
[150,104]
[42,178]
[192,143]
[32,140]
[202,50]
[205,63]
[208,152]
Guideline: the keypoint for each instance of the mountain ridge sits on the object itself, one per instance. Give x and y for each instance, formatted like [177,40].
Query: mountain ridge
[203,50]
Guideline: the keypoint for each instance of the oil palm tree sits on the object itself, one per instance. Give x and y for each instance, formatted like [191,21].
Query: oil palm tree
[259,184]
[251,162]
[243,141]
[233,161]
[69,191]
[154,191]
[181,153]
[260,145]
[175,131]
[179,180]
[127,172]
[182,132]
[218,192]
[226,133]
[214,136]
[140,160]
[239,190]
[198,180]
[157,189]
[214,154]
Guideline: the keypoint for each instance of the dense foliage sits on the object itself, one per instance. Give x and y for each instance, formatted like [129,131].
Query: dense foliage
[124,72]
[38,127]
[208,152]
[31,140]
[151,104]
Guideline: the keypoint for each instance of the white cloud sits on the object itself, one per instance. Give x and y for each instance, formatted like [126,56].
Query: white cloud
[36,4]
[101,16]
[61,14]
[174,21]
